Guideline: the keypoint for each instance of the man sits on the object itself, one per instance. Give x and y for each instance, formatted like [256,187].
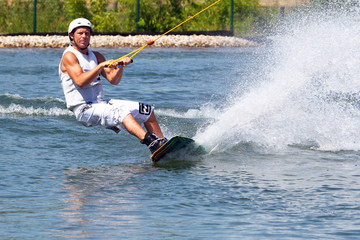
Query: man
[80,70]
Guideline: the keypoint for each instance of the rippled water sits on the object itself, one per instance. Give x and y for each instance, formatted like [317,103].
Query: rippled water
[279,123]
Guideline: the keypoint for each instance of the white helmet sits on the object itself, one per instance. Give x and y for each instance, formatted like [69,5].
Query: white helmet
[80,22]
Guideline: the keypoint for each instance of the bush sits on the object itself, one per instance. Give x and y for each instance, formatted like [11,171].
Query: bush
[155,16]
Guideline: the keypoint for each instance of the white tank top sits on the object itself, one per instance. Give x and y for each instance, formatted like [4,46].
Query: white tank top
[74,95]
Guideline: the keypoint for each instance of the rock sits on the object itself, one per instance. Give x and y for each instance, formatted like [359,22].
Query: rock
[128,41]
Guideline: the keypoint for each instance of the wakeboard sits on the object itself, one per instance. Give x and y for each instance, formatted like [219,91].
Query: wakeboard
[174,145]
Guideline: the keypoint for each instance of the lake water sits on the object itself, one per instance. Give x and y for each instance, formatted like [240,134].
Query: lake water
[280,125]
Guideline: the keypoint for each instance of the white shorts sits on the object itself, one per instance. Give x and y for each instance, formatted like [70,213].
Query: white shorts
[110,114]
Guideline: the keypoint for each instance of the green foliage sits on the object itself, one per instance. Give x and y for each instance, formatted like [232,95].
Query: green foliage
[159,15]
[76,9]
[248,16]
[103,19]
[16,16]
[126,16]
[120,16]
[50,16]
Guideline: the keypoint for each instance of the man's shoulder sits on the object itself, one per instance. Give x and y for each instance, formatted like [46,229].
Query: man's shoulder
[97,53]
[69,54]
[99,56]
[69,51]
[69,57]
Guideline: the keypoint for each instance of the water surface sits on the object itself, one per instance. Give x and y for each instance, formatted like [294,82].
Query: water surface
[279,123]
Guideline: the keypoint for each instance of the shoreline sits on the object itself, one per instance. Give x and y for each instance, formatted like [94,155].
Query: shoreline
[57,41]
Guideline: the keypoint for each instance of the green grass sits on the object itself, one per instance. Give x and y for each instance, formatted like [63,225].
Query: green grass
[155,16]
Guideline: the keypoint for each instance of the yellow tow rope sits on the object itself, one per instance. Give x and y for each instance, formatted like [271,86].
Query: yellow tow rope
[151,42]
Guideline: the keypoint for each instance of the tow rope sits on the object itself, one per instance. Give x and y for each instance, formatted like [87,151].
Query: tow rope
[151,42]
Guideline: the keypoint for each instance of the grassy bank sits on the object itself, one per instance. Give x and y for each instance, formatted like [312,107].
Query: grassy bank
[121,16]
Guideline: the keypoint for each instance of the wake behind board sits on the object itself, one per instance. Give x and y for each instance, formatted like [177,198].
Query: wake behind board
[174,145]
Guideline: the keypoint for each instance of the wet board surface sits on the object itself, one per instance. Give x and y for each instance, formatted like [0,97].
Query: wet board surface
[176,144]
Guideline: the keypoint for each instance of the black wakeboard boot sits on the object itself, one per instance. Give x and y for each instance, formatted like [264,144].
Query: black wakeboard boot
[153,141]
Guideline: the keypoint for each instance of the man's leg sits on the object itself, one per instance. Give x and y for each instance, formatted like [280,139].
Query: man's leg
[152,126]
[154,138]
[148,138]
[132,126]
[143,113]
[135,129]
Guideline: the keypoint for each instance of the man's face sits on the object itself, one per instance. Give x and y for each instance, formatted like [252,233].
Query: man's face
[82,36]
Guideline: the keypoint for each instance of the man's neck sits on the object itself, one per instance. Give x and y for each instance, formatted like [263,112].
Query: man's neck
[84,51]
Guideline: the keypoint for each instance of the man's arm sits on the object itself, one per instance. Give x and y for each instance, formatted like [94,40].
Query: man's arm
[71,66]
[112,73]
